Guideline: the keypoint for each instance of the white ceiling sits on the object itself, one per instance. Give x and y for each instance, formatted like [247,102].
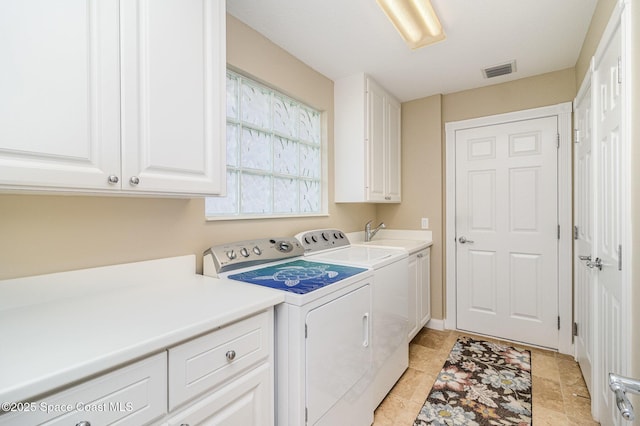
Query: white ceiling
[342,37]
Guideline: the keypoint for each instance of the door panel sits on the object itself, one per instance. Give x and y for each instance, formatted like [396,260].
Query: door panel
[507,209]
[608,119]
[583,245]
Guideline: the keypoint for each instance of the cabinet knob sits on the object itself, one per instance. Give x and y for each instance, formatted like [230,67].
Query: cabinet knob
[113,179]
[231,355]
[387,197]
[134,180]
[83,423]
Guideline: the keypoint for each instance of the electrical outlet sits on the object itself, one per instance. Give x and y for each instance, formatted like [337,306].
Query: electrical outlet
[424,223]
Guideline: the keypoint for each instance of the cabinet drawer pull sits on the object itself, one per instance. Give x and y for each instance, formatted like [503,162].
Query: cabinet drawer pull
[231,355]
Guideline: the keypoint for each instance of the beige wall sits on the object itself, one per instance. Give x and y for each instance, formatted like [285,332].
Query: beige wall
[421,183]
[45,233]
[532,92]
[598,23]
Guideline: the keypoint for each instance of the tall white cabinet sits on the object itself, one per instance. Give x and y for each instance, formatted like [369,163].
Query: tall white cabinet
[367,142]
[602,262]
[108,96]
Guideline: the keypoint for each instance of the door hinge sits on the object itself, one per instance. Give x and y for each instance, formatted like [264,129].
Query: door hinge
[305,331]
[306,414]
[558,231]
[558,322]
[575,329]
[558,140]
[619,257]
[619,69]
[576,135]
[575,232]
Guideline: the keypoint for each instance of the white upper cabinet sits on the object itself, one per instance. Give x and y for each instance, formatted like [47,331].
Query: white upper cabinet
[173,95]
[108,96]
[59,93]
[367,142]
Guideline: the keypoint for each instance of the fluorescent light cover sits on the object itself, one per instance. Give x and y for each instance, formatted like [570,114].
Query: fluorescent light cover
[415,20]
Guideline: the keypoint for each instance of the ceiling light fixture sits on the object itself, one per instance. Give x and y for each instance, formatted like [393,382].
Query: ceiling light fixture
[415,20]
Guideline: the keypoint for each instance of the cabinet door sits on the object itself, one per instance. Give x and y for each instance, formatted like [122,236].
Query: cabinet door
[424,265]
[59,94]
[376,100]
[393,163]
[414,296]
[130,396]
[244,401]
[173,96]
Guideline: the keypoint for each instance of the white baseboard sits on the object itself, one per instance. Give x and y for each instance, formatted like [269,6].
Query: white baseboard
[435,324]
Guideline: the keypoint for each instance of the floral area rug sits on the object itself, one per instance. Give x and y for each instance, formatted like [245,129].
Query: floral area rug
[482,383]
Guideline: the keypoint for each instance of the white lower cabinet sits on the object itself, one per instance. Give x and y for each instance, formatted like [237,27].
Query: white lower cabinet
[245,401]
[225,377]
[419,291]
[133,395]
[214,363]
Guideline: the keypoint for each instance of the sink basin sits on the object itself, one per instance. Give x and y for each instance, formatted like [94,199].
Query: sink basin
[409,245]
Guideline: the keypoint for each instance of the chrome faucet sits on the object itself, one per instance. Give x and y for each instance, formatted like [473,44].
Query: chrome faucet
[368,233]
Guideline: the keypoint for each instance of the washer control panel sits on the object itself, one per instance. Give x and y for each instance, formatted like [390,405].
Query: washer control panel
[241,254]
[322,239]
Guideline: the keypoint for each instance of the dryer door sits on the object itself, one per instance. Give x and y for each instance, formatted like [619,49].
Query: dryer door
[338,355]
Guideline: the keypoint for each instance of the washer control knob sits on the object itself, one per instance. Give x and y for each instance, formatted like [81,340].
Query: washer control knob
[306,240]
[325,236]
[314,238]
[284,246]
[231,254]
[244,252]
[257,250]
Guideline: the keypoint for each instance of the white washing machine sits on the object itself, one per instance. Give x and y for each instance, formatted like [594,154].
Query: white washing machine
[390,299]
[323,329]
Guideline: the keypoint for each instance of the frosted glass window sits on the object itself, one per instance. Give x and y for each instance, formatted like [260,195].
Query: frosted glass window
[274,154]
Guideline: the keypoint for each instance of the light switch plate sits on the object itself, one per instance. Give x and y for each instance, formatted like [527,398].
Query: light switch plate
[424,223]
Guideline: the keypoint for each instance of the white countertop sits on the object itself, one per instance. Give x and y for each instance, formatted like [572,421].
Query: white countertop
[411,241]
[60,328]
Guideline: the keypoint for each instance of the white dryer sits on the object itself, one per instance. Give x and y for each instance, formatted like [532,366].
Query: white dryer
[390,299]
[323,329]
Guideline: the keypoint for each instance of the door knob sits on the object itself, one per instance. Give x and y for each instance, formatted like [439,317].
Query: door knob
[595,264]
[463,240]
[620,385]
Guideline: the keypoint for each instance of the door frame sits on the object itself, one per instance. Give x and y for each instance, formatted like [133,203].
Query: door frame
[563,112]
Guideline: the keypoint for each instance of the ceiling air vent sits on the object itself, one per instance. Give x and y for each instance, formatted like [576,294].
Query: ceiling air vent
[498,70]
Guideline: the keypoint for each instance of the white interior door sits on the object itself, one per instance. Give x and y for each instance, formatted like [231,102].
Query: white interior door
[507,230]
[583,244]
[608,145]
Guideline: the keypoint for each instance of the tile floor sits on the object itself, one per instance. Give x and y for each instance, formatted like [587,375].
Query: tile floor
[560,396]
